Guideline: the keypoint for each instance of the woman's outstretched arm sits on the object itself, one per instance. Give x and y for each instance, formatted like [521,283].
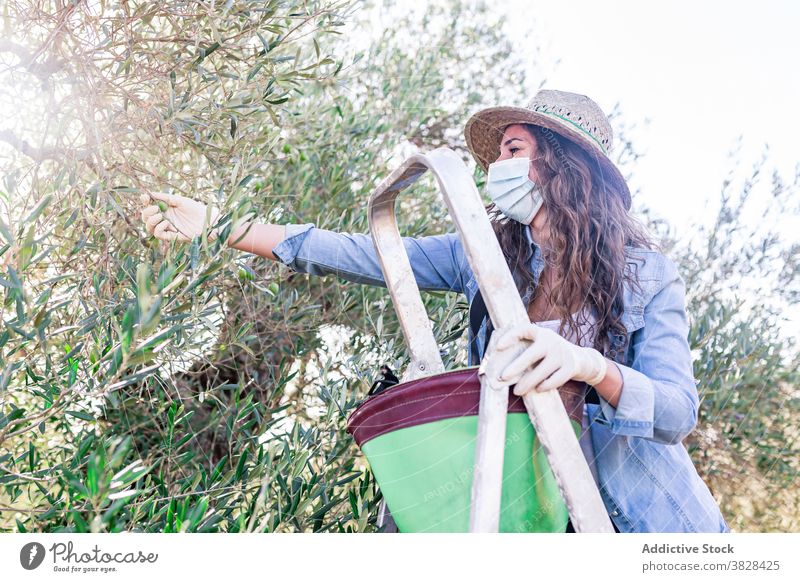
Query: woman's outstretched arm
[437,261]
[260,239]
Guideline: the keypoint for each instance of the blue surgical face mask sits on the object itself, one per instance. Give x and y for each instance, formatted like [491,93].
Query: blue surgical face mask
[512,191]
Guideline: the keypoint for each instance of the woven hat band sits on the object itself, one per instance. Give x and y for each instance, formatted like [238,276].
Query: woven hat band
[579,112]
[578,127]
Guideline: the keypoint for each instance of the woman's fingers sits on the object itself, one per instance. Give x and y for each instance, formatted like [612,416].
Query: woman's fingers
[152,221]
[165,231]
[170,199]
[517,333]
[161,230]
[149,211]
[535,376]
[522,362]
[558,379]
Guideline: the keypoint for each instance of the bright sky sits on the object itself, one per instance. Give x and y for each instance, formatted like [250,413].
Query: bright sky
[703,73]
[694,77]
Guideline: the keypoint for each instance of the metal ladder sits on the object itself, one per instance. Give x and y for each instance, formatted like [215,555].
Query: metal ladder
[553,428]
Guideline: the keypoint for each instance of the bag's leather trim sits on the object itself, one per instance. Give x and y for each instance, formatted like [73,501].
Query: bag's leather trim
[448,395]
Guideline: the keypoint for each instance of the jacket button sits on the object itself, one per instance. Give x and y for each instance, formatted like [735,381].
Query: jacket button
[615,513]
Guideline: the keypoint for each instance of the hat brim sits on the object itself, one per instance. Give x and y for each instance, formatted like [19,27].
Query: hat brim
[484,131]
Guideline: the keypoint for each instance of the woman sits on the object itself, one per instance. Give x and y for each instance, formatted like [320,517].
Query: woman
[606,308]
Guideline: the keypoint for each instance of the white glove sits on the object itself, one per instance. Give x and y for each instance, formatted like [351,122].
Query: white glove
[548,363]
[182,220]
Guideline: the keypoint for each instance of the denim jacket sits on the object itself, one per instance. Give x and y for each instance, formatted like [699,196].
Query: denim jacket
[647,480]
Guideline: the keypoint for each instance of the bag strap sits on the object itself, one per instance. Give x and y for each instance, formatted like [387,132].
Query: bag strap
[477,313]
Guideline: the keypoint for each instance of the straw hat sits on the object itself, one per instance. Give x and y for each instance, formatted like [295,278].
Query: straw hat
[570,115]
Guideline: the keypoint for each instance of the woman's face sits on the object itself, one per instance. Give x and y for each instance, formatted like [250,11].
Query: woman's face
[517,142]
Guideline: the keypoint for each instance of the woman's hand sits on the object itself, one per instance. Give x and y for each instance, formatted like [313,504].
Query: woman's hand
[549,362]
[176,217]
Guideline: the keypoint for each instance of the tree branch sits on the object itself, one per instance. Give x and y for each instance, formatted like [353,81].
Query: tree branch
[28,60]
[39,154]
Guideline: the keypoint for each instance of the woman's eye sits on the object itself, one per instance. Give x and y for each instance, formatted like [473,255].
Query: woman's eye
[513,150]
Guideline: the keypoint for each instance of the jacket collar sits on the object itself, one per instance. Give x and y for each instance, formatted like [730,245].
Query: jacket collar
[537,262]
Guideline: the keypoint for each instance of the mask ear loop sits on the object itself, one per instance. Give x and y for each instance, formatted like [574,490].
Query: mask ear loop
[537,186]
[536,182]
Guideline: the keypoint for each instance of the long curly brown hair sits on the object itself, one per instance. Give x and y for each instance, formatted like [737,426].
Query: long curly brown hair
[589,228]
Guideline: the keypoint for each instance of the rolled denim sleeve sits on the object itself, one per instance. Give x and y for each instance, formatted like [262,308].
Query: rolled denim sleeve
[659,398]
[435,260]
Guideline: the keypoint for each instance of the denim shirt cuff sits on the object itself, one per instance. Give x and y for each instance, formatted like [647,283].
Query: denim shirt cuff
[287,249]
[633,415]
